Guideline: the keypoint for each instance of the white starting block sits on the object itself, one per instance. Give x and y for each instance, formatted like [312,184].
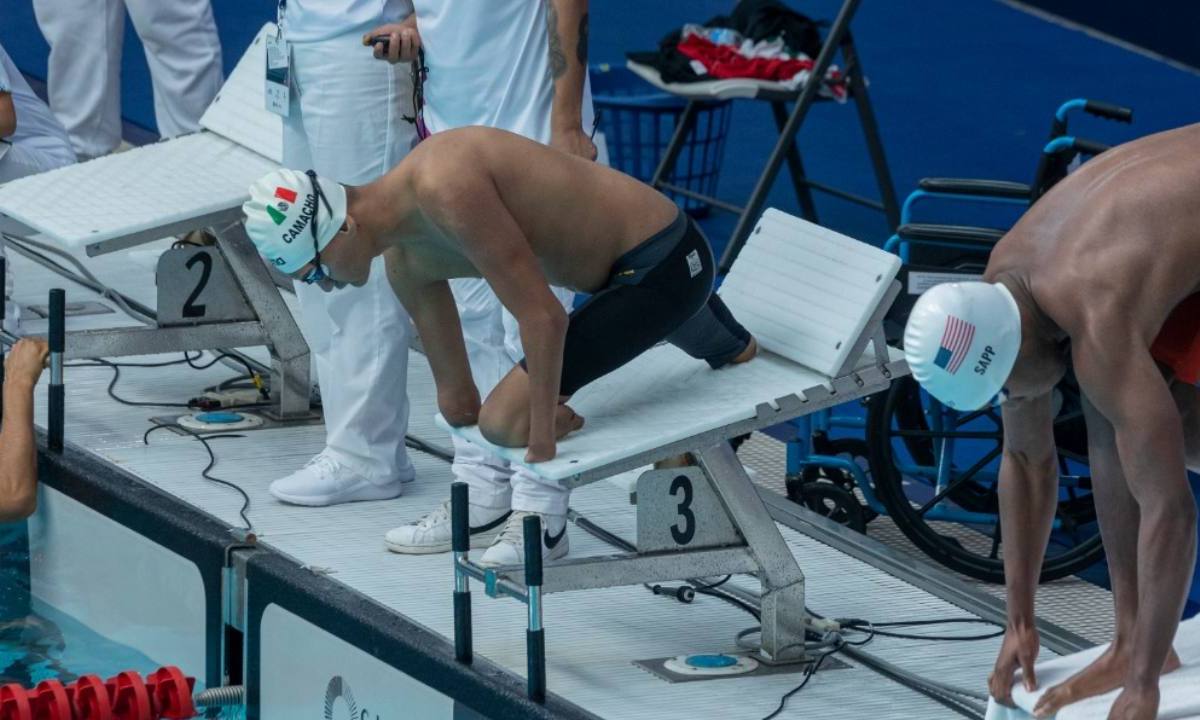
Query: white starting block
[815,300]
[208,297]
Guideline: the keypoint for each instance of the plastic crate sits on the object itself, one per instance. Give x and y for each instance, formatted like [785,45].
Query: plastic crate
[638,120]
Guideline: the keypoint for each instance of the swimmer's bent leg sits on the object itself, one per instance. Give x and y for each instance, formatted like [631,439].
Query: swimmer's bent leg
[712,335]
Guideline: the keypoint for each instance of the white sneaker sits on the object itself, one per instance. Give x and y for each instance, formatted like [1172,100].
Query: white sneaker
[431,534]
[325,481]
[509,548]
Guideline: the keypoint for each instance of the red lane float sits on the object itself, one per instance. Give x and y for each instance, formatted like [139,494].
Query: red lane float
[130,697]
[165,694]
[172,694]
[14,703]
[90,699]
[50,701]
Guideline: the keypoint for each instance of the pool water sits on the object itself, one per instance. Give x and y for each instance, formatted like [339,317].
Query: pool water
[38,642]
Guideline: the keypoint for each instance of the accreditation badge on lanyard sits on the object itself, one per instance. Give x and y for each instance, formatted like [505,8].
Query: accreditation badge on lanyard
[279,75]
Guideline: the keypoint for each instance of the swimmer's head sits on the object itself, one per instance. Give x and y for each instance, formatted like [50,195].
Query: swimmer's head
[279,220]
[962,340]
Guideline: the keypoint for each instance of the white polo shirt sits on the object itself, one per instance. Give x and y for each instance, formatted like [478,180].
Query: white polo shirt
[305,21]
[488,65]
[37,128]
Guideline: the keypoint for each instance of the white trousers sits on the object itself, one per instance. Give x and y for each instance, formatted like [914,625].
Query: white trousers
[345,122]
[86,37]
[24,159]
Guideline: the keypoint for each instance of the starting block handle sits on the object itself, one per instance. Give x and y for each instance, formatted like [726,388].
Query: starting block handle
[57,391]
[460,543]
[535,636]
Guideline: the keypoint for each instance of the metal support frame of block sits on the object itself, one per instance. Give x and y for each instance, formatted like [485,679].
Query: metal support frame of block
[273,327]
[760,548]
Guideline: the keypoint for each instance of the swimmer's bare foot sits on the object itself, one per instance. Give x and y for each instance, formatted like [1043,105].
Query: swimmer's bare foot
[748,354]
[566,421]
[1105,674]
[678,461]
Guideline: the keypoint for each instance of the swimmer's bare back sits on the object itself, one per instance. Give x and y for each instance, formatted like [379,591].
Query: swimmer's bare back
[578,216]
[1117,241]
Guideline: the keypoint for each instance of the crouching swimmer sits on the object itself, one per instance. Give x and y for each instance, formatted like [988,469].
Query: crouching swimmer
[481,202]
[1103,274]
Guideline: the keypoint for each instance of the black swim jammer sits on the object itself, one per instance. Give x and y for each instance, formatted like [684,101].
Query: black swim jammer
[660,290]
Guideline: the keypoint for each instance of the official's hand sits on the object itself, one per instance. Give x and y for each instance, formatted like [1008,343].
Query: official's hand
[1019,651]
[26,361]
[573,141]
[403,42]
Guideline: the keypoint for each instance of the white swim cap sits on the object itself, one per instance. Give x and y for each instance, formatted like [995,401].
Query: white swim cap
[962,340]
[279,213]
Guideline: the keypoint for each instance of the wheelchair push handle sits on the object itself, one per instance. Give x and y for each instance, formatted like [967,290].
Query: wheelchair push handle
[1070,145]
[1108,111]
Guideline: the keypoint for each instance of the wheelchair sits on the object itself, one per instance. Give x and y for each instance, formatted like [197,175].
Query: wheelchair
[933,470]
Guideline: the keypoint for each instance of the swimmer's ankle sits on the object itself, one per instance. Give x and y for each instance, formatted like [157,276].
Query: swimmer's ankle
[748,354]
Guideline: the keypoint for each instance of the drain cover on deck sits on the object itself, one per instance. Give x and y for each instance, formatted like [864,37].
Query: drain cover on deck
[220,421]
[690,668]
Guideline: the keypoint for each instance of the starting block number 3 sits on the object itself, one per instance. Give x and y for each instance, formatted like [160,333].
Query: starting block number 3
[677,508]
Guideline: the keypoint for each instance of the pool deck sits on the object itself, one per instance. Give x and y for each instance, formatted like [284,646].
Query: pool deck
[593,637]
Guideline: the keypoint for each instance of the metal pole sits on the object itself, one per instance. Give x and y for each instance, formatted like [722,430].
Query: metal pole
[803,104]
[535,637]
[460,543]
[57,392]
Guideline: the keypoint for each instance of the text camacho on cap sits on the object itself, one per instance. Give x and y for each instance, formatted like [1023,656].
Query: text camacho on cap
[962,340]
[279,214]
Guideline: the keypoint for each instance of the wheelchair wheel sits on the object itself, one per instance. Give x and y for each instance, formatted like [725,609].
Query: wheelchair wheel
[936,472]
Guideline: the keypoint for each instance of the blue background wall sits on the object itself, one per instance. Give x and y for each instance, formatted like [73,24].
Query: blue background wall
[961,87]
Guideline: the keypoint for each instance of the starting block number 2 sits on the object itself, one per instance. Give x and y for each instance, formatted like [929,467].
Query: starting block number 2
[196,286]
[677,509]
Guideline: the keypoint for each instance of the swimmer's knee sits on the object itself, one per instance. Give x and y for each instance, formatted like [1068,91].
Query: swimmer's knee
[503,426]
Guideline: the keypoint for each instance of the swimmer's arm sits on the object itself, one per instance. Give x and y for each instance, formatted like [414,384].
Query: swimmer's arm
[567,34]
[469,207]
[432,308]
[1122,381]
[8,115]
[18,451]
[1028,487]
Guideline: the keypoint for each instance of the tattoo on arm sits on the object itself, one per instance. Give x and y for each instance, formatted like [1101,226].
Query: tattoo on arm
[581,50]
[558,61]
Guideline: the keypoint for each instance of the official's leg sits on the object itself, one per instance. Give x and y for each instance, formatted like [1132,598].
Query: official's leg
[184,55]
[84,72]
[486,475]
[358,336]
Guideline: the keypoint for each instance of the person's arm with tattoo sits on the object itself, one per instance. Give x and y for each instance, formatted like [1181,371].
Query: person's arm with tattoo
[567,32]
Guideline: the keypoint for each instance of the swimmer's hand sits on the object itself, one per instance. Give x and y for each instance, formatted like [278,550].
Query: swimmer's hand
[573,141]
[566,421]
[26,362]
[1019,650]
[459,407]
[403,41]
